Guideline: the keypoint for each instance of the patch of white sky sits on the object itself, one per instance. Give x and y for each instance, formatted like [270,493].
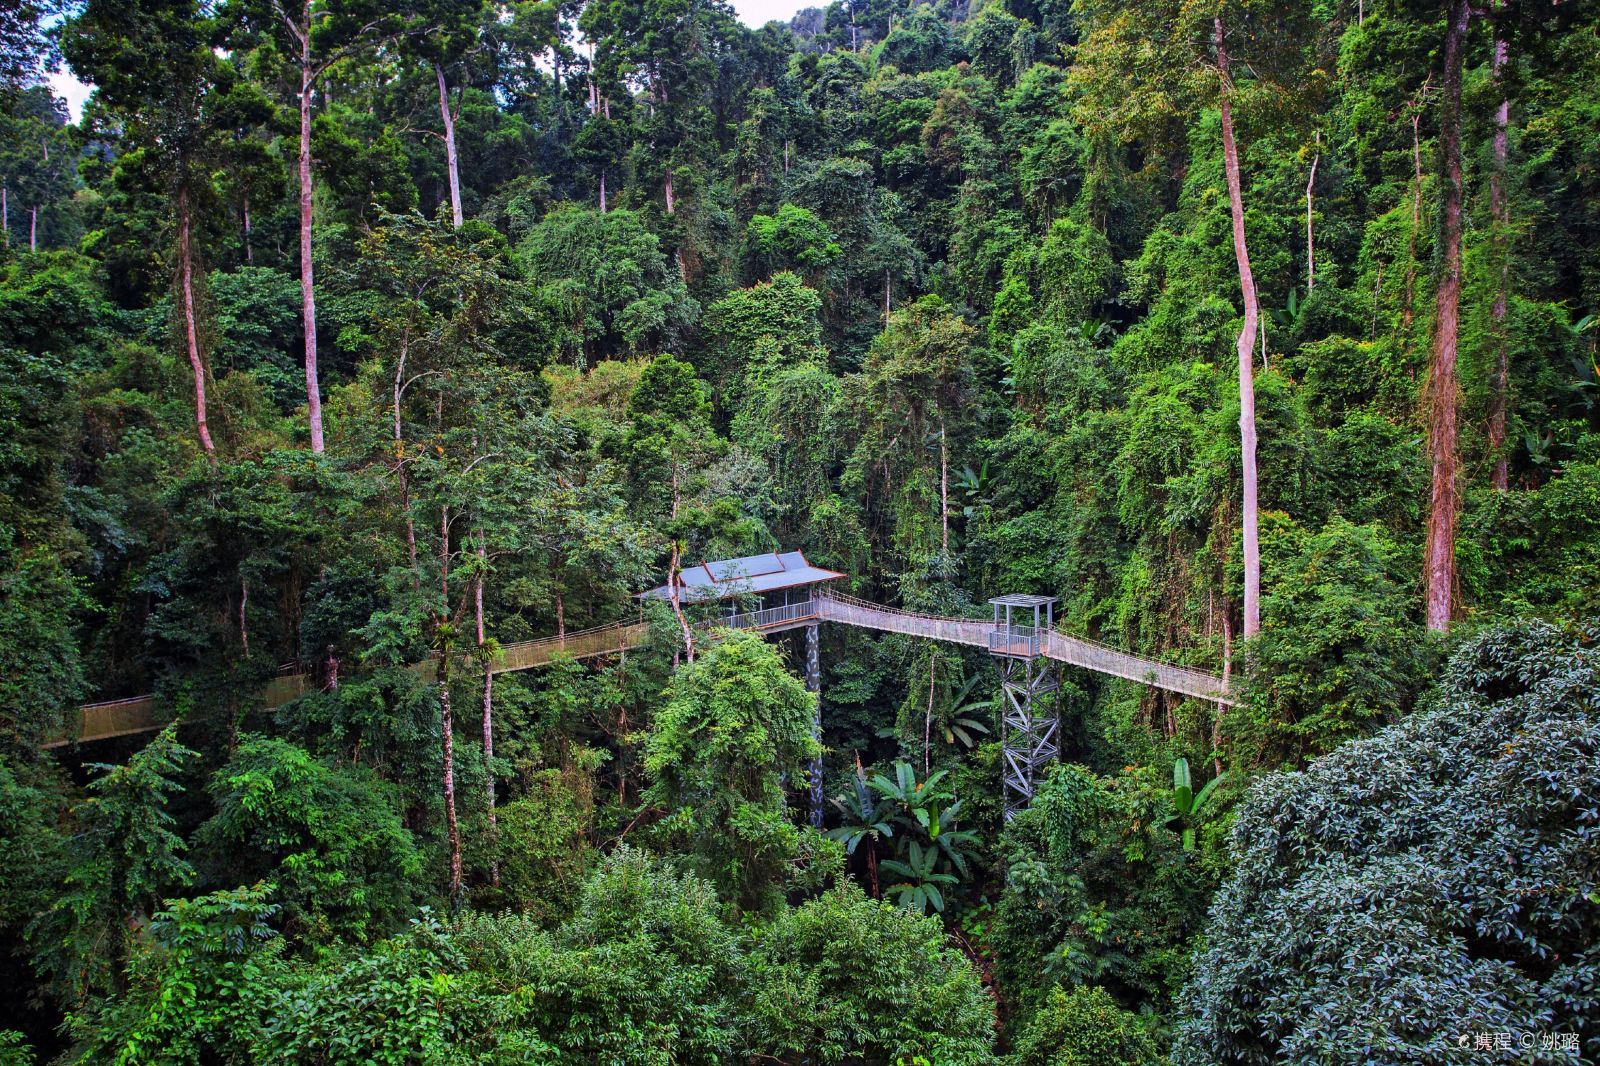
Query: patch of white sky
[751,13]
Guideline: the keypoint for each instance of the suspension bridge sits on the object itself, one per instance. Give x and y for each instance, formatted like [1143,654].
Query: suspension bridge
[115,718]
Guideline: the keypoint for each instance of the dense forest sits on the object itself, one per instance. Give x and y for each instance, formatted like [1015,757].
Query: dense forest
[360,339]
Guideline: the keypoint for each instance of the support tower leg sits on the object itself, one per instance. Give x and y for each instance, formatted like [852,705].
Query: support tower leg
[814,684]
[1028,726]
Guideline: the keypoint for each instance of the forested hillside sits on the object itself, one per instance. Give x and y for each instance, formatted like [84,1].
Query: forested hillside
[348,342]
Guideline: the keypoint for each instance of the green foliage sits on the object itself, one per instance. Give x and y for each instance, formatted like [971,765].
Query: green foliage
[124,858]
[1463,915]
[1341,653]
[543,847]
[1082,1027]
[329,837]
[606,283]
[195,987]
[734,726]
[845,978]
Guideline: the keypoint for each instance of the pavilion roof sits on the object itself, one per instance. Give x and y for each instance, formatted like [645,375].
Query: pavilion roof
[722,579]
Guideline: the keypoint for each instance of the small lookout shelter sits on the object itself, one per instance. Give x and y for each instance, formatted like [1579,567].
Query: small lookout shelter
[776,579]
[1020,624]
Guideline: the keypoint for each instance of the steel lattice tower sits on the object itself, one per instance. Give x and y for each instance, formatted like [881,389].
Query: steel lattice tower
[1028,681]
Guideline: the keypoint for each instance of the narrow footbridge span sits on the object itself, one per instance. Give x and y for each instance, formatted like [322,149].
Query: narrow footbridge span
[114,718]
[980,633]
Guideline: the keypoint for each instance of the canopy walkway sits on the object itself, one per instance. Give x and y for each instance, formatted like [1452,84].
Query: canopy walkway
[115,718]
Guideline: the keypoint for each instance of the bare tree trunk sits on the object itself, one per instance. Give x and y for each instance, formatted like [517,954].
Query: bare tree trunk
[450,147]
[446,716]
[886,307]
[667,190]
[191,333]
[561,614]
[244,627]
[602,191]
[488,721]
[452,829]
[5,213]
[33,228]
[249,252]
[672,577]
[1246,346]
[308,299]
[944,490]
[1443,388]
[927,718]
[1500,377]
[400,454]
[1227,676]
[1311,256]
[677,605]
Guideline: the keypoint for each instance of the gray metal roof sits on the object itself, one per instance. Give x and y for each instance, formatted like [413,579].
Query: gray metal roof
[1022,599]
[723,579]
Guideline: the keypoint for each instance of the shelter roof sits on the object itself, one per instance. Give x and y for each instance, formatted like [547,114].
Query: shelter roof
[722,579]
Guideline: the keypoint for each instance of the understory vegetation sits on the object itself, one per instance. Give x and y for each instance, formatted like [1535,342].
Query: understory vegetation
[346,346]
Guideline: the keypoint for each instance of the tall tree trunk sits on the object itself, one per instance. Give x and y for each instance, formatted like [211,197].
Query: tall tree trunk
[5,213]
[944,490]
[446,716]
[561,614]
[33,228]
[400,455]
[1499,384]
[308,299]
[666,188]
[249,252]
[1443,388]
[1311,255]
[191,333]
[450,147]
[672,577]
[602,191]
[488,720]
[1246,348]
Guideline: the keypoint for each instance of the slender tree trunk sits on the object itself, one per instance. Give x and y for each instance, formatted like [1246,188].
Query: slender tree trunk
[666,188]
[446,716]
[249,252]
[244,626]
[602,191]
[1311,255]
[1227,676]
[488,721]
[1246,346]
[5,213]
[452,829]
[944,490]
[33,228]
[672,577]
[191,333]
[927,718]
[561,614]
[886,307]
[450,147]
[1443,388]
[1500,377]
[308,299]
[400,454]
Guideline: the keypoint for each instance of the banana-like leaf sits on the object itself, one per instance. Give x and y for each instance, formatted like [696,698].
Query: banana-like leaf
[1182,786]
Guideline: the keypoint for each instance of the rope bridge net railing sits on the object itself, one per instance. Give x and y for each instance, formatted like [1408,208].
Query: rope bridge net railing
[113,718]
[1074,651]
